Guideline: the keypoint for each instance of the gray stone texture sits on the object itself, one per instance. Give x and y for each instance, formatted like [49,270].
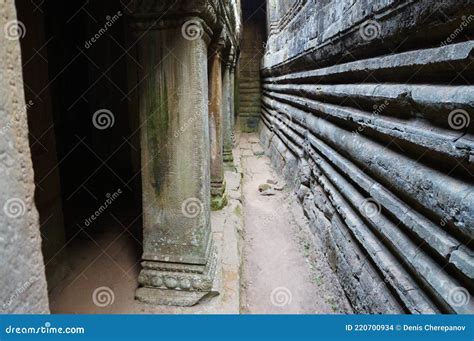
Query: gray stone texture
[179,259]
[216,127]
[23,286]
[175,165]
[227,111]
[357,110]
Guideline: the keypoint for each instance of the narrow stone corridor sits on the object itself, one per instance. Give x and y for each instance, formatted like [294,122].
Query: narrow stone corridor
[271,262]
[237,156]
[283,270]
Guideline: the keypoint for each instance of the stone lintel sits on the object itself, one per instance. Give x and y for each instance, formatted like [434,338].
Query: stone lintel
[191,26]
[208,10]
[216,14]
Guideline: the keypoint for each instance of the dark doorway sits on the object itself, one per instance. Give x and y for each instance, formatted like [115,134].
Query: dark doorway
[84,139]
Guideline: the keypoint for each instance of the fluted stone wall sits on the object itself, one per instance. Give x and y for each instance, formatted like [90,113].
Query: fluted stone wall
[366,110]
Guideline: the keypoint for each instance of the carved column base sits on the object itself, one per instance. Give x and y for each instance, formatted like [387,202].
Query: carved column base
[218,195]
[178,284]
[228,157]
[172,297]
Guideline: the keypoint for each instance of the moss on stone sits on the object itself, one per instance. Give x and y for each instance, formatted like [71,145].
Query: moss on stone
[218,202]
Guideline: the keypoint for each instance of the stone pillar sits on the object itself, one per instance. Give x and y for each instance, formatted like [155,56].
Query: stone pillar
[216,122]
[232,103]
[227,111]
[179,260]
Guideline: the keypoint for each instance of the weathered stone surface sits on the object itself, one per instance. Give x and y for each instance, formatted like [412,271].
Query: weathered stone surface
[175,166]
[381,168]
[23,286]
[227,111]
[216,126]
[181,113]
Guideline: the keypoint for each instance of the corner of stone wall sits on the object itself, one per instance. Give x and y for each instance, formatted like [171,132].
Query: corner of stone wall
[23,287]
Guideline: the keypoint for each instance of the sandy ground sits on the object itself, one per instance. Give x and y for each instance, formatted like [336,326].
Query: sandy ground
[283,270]
[105,267]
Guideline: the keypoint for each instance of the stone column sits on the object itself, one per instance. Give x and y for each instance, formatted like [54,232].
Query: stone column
[232,102]
[179,260]
[227,111]
[216,128]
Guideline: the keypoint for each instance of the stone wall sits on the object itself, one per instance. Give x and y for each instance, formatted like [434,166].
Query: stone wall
[22,277]
[43,144]
[366,108]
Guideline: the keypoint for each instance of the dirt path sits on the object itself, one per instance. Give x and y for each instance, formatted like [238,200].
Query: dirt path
[283,270]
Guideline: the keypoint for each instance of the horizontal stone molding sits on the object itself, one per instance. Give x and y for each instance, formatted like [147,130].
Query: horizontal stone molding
[382,67]
[364,132]
[423,184]
[444,140]
[215,16]
[330,32]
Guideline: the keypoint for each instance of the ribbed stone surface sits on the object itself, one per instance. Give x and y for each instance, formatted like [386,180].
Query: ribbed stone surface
[362,123]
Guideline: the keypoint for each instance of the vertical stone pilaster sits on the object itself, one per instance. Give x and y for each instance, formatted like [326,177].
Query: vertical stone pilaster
[216,122]
[232,103]
[179,261]
[227,111]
